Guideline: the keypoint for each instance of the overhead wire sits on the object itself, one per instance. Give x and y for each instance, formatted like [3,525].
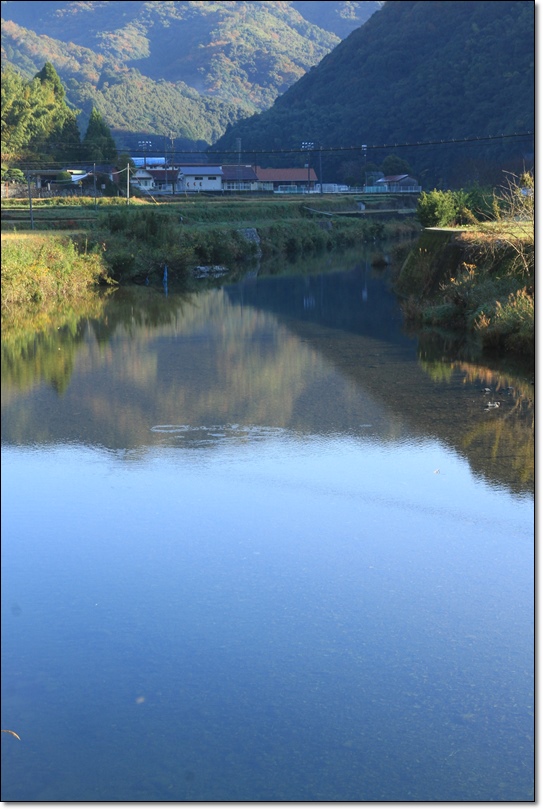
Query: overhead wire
[359,148]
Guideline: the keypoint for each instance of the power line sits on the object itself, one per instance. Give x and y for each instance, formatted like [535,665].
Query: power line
[381,146]
[292,151]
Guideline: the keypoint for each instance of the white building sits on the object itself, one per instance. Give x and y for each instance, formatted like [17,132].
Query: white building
[142,179]
[199,178]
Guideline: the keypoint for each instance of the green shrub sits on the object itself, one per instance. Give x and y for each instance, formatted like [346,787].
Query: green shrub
[446,314]
[436,208]
[439,209]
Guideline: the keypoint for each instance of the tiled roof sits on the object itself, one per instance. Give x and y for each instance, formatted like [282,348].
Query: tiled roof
[233,172]
[285,175]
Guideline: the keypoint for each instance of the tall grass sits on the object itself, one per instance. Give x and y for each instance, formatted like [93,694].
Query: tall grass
[474,283]
[509,324]
[38,269]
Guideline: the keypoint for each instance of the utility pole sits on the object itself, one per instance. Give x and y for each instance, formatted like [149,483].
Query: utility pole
[172,136]
[320,168]
[238,147]
[308,145]
[30,203]
[94,182]
[128,183]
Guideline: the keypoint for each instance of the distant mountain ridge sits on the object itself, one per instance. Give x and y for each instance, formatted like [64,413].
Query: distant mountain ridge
[190,68]
[416,72]
[268,76]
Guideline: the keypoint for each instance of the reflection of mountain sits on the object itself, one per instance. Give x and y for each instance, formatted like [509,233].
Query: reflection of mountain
[354,323]
[353,302]
[317,355]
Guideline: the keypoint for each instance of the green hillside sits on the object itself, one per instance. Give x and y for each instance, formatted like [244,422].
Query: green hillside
[186,68]
[415,72]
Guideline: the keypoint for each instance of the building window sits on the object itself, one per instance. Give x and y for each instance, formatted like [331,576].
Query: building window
[198,178]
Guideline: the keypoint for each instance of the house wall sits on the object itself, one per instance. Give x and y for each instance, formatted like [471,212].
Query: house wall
[200,182]
[142,179]
[239,185]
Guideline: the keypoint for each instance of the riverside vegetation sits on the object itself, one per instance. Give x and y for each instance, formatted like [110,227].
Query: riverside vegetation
[124,244]
[476,278]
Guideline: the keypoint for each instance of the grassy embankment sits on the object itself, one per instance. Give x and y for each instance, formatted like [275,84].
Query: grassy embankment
[479,280]
[130,243]
[39,269]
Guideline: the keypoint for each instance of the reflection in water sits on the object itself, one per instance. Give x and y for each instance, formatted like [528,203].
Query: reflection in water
[256,549]
[305,353]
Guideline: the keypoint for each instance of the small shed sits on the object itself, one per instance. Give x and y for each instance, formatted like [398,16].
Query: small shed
[397,182]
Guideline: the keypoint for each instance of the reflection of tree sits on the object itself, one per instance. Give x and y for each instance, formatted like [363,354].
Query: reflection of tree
[215,359]
[436,345]
[504,444]
[520,389]
[445,400]
[501,445]
[134,307]
[208,363]
[40,344]
[437,371]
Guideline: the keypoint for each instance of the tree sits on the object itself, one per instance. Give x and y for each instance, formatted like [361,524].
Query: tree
[436,208]
[393,164]
[12,175]
[98,144]
[37,123]
[123,159]
[49,74]
[63,177]
[63,141]
[25,114]
[70,139]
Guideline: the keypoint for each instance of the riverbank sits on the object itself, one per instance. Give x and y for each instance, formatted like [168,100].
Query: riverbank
[480,281]
[133,244]
[48,269]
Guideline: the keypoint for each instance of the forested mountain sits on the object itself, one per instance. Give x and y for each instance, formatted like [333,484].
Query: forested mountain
[181,69]
[272,75]
[414,73]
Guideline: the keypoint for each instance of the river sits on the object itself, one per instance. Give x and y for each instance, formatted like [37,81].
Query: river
[261,544]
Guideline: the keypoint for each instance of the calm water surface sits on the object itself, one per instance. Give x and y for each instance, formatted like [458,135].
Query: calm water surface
[259,545]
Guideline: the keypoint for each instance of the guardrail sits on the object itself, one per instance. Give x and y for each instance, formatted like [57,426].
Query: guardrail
[392,189]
